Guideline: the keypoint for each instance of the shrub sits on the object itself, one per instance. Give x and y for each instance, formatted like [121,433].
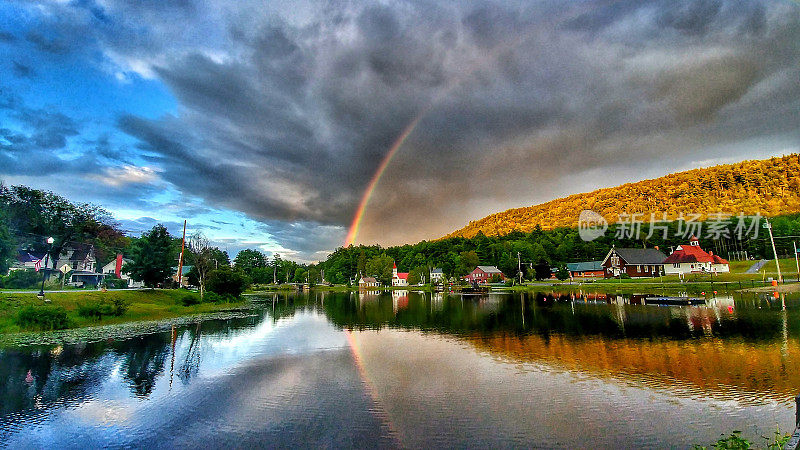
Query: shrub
[115,307]
[42,317]
[625,276]
[219,298]
[22,279]
[115,283]
[226,282]
[190,299]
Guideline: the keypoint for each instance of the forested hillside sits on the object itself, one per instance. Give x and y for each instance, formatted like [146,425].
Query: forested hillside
[770,187]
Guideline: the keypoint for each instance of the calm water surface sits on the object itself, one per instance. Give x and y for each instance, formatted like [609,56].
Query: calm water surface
[403,369]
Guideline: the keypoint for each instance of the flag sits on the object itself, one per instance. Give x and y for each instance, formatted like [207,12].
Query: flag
[38,264]
[118,266]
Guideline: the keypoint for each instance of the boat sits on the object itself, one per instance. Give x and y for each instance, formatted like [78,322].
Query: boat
[674,301]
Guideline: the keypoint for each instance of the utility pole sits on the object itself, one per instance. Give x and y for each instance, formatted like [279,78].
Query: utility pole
[774,252]
[796,261]
[180,258]
[519,268]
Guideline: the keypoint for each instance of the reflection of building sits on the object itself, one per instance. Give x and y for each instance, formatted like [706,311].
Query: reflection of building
[367,282]
[399,300]
[437,301]
[693,259]
[589,269]
[399,278]
[635,262]
[484,274]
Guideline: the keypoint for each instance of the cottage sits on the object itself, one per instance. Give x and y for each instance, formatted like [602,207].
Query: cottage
[368,282]
[693,259]
[484,274]
[436,275]
[635,262]
[27,260]
[80,258]
[114,269]
[399,278]
[588,269]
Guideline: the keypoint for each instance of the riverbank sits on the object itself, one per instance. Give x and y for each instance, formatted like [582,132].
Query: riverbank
[138,305]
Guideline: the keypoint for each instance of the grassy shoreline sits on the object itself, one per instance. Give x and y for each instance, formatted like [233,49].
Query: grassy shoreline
[142,305]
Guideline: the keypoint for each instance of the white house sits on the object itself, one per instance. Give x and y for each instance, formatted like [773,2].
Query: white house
[114,269]
[693,259]
[80,258]
[436,275]
[399,278]
[368,282]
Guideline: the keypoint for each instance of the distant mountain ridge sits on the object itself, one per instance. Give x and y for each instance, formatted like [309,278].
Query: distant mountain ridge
[770,187]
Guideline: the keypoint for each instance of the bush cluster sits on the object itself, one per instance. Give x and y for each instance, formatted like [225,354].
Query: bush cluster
[115,283]
[21,279]
[96,310]
[42,318]
[190,299]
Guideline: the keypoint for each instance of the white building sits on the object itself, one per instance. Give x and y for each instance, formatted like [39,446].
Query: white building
[399,278]
[436,275]
[693,259]
[110,271]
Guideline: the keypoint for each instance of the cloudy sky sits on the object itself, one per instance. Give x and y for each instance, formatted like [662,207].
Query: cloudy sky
[262,123]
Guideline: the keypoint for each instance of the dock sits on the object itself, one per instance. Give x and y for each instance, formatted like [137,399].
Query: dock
[679,301]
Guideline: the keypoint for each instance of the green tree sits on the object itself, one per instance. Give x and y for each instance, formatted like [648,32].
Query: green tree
[248,259]
[562,273]
[227,281]
[380,267]
[7,246]
[151,257]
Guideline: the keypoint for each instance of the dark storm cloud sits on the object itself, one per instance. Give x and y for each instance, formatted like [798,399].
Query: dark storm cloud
[29,148]
[285,113]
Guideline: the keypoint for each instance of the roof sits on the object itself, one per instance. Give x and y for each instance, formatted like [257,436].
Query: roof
[586,266]
[646,256]
[436,270]
[693,254]
[368,280]
[489,269]
[402,275]
[24,257]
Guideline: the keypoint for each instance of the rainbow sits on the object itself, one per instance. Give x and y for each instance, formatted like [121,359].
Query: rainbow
[362,205]
[355,348]
[491,55]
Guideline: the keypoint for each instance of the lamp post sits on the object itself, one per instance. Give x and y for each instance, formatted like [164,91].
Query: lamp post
[50,241]
[768,226]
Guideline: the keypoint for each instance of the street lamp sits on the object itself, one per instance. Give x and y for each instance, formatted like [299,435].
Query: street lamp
[50,241]
[768,226]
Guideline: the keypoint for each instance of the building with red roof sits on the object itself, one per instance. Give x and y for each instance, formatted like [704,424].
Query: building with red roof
[399,278]
[693,259]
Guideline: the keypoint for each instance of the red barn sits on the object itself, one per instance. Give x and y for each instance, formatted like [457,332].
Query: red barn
[483,274]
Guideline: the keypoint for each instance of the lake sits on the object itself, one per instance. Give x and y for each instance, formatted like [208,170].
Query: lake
[405,369]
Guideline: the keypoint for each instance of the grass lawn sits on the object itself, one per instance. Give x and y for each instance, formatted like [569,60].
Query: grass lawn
[142,305]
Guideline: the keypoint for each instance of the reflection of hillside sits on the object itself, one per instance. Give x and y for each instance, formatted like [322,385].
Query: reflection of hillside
[733,368]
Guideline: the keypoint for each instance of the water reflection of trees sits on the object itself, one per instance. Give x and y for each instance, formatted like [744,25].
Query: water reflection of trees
[545,314]
[36,378]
